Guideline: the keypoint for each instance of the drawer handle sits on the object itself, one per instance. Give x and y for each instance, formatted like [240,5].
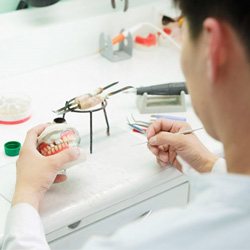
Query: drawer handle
[74,225]
[145,215]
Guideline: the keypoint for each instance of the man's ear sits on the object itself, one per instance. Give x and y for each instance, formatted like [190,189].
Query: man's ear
[215,41]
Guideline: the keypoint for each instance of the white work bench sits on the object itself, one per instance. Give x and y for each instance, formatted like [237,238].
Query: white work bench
[120,182]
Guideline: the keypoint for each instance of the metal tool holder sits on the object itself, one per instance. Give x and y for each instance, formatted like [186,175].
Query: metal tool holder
[125,49]
[161,103]
[90,112]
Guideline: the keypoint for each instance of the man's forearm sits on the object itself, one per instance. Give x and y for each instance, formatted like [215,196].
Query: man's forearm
[26,197]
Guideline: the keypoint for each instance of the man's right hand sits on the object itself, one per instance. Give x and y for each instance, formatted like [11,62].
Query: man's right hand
[166,144]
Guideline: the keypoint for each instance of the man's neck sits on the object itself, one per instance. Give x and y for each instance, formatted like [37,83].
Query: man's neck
[237,154]
[234,118]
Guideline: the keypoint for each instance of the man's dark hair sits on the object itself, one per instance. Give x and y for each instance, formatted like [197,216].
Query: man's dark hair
[235,12]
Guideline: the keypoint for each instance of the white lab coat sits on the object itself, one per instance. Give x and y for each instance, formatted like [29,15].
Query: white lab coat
[218,218]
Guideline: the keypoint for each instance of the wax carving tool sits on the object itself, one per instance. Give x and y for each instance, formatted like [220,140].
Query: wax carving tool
[185,132]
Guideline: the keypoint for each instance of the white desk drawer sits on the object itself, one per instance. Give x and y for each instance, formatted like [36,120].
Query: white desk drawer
[176,196]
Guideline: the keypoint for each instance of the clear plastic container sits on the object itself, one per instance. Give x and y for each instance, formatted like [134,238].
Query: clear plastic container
[15,108]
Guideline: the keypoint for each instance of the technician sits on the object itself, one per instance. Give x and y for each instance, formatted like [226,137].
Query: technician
[216,64]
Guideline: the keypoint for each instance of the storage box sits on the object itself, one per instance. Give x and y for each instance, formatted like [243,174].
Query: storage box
[119,179]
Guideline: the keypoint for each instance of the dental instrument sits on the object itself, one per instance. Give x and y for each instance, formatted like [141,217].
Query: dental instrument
[185,132]
[89,100]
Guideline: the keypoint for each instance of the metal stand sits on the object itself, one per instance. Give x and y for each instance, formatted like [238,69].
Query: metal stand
[124,51]
[103,107]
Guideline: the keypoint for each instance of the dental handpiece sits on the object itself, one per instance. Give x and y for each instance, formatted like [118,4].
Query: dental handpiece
[174,88]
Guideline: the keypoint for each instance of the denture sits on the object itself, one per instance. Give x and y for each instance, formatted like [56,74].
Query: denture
[56,139]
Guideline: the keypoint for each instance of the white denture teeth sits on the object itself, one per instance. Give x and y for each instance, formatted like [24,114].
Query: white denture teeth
[58,141]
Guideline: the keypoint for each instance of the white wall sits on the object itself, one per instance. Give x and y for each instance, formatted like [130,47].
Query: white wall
[36,38]
[8,5]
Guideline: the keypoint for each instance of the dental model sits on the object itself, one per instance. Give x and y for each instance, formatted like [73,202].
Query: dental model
[56,138]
